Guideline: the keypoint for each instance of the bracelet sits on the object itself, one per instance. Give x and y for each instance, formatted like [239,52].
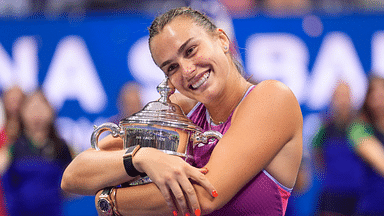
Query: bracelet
[114,203]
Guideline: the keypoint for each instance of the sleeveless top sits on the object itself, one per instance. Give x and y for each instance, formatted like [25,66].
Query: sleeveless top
[262,195]
[371,202]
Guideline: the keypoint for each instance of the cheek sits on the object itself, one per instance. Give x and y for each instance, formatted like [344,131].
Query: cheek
[176,81]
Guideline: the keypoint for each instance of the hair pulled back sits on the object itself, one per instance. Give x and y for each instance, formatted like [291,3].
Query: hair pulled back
[162,20]
[196,16]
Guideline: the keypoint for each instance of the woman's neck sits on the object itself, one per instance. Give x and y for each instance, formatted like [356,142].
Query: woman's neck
[380,124]
[221,109]
[39,137]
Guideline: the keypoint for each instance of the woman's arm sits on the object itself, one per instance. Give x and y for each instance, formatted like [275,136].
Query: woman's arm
[366,145]
[92,170]
[372,151]
[265,122]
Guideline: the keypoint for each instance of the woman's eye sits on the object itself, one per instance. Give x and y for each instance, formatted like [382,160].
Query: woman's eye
[171,68]
[189,51]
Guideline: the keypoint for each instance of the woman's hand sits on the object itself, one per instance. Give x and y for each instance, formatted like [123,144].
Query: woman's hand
[171,174]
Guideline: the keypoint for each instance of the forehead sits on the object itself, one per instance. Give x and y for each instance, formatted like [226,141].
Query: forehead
[174,34]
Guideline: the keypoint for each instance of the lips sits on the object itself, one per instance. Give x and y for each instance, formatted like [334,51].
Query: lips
[200,81]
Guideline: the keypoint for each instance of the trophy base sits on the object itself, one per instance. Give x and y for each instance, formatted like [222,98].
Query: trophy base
[141,181]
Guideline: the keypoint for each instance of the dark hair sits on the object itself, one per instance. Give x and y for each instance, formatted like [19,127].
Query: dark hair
[366,110]
[58,144]
[162,20]
[196,16]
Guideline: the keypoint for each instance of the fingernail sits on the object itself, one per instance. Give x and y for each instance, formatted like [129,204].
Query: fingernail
[205,171]
[187,214]
[197,212]
[174,213]
[214,193]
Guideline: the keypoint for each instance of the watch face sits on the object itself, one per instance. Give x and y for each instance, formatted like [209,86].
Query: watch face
[131,151]
[104,205]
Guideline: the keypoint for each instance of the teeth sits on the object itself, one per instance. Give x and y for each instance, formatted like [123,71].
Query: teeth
[200,81]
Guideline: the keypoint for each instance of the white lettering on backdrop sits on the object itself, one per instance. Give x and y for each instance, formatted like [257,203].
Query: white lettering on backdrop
[282,57]
[22,70]
[285,57]
[378,53]
[144,69]
[73,76]
[337,60]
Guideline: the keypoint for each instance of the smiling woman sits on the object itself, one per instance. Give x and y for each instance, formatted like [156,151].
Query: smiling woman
[253,167]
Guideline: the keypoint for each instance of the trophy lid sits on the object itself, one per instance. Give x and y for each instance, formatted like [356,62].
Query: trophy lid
[162,112]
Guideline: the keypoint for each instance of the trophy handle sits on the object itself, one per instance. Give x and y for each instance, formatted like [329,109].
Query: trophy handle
[203,137]
[116,132]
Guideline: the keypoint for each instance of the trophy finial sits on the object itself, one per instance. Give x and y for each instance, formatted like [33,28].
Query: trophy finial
[165,90]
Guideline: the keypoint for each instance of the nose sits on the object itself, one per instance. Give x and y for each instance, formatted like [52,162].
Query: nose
[188,68]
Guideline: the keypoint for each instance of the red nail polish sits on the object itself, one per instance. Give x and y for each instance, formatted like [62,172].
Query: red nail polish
[205,171]
[214,193]
[174,213]
[187,214]
[197,212]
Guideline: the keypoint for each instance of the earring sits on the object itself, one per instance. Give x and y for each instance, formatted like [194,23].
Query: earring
[225,47]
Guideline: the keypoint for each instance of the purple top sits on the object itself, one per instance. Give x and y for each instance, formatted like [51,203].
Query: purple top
[263,195]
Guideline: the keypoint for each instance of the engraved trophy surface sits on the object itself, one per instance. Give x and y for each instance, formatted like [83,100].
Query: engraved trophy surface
[160,124]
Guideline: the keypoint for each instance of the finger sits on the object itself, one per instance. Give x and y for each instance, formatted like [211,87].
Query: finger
[200,178]
[191,196]
[165,191]
[204,170]
[179,196]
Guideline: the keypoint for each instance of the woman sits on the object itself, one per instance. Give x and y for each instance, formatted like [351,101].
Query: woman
[250,170]
[13,98]
[334,159]
[36,162]
[367,136]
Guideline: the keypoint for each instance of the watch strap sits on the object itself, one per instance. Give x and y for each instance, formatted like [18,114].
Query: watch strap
[128,164]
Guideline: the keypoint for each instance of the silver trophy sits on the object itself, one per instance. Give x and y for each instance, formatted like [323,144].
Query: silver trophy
[160,124]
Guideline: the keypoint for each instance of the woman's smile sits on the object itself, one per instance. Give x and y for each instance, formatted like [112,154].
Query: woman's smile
[199,82]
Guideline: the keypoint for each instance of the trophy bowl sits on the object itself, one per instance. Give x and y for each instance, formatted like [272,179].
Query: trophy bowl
[160,124]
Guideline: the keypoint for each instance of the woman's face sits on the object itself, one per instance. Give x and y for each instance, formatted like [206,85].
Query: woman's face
[341,102]
[195,61]
[12,101]
[36,113]
[376,96]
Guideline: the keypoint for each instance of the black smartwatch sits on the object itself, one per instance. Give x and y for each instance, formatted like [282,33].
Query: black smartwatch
[127,159]
[104,204]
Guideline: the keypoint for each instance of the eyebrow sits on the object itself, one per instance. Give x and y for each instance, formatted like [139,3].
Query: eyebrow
[180,50]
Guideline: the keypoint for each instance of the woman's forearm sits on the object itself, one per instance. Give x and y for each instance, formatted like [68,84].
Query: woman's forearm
[148,200]
[93,170]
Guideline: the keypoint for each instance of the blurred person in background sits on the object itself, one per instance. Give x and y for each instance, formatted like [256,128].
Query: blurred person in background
[35,162]
[367,137]
[284,7]
[9,131]
[337,167]
[129,101]
[12,100]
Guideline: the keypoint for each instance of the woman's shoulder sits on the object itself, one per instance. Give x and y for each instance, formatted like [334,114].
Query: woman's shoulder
[272,86]
[270,97]
[183,101]
[271,90]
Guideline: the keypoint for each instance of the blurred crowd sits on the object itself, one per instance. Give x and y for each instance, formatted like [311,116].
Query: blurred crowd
[345,167]
[33,156]
[238,8]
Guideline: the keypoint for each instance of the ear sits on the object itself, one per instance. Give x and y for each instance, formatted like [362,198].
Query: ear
[223,39]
